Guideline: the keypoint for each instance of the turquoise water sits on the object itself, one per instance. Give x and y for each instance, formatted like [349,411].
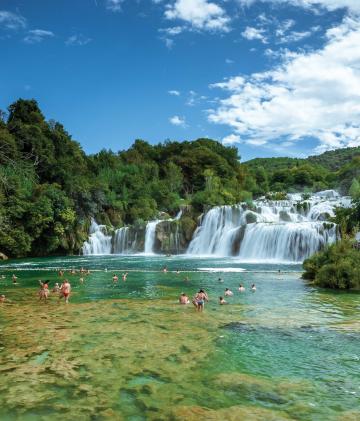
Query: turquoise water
[129,351]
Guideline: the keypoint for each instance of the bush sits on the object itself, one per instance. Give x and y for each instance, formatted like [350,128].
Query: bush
[337,267]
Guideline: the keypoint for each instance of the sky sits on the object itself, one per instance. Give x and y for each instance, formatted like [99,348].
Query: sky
[271,77]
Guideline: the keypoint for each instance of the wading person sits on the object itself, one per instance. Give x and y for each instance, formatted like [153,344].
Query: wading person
[65,290]
[44,290]
[199,300]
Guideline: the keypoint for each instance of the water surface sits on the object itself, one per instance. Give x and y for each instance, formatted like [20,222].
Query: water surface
[128,351]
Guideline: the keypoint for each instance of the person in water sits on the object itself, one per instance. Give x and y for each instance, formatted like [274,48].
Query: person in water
[220,280]
[199,300]
[184,299]
[44,290]
[56,287]
[65,290]
[241,288]
[165,269]
[81,280]
[115,278]
[2,298]
[14,279]
[124,276]
[253,287]
[222,301]
[228,293]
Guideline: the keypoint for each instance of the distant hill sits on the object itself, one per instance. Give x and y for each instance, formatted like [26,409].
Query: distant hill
[333,169]
[334,160]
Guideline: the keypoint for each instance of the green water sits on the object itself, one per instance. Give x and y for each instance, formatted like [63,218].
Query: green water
[128,351]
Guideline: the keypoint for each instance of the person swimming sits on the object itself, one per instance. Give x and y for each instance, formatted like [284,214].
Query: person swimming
[165,269]
[220,280]
[228,293]
[115,278]
[253,287]
[241,288]
[124,276]
[222,301]
[2,298]
[184,299]
[14,279]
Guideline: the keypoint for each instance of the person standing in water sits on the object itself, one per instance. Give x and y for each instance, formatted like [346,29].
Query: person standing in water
[2,298]
[65,290]
[253,288]
[199,300]
[14,279]
[124,276]
[115,278]
[44,290]
[228,293]
[241,288]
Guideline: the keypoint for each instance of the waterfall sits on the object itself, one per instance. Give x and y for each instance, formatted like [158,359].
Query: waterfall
[121,241]
[150,236]
[99,242]
[285,230]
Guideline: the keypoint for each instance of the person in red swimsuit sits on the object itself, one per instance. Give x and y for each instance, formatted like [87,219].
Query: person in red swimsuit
[65,290]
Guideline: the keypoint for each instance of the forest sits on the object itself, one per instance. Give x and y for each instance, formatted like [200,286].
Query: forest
[49,188]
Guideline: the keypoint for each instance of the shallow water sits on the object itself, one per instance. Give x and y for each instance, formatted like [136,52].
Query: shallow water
[129,352]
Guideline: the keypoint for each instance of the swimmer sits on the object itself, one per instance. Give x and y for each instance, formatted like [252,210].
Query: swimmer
[81,280]
[115,278]
[199,300]
[44,290]
[220,280]
[165,269]
[241,288]
[228,293]
[56,287]
[14,279]
[186,279]
[253,287]
[65,290]
[2,298]
[105,269]
[222,301]
[184,299]
[177,271]
[61,273]
[124,276]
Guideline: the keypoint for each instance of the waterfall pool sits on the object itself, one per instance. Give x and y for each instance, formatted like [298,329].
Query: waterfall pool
[128,351]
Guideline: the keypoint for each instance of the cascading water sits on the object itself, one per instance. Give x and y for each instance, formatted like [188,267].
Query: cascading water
[288,230]
[150,236]
[99,242]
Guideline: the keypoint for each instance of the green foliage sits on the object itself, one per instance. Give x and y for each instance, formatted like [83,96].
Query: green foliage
[49,188]
[337,267]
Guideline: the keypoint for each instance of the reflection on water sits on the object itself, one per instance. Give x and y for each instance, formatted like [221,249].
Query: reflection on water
[128,351]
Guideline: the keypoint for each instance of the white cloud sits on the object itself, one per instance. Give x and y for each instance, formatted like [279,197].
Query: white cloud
[174,92]
[37,35]
[231,139]
[199,15]
[352,5]
[251,34]
[178,121]
[314,94]
[114,5]
[9,20]
[78,39]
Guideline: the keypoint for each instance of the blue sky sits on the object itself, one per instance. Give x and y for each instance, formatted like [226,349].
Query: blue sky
[272,77]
